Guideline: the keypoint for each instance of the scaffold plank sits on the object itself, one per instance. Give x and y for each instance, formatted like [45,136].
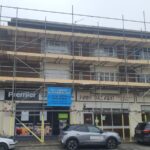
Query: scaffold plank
[70,81]
[92,60]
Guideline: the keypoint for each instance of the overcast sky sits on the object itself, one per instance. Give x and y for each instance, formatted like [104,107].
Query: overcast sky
[131,9]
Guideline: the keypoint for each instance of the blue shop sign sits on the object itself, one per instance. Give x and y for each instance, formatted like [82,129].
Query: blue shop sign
[59,96]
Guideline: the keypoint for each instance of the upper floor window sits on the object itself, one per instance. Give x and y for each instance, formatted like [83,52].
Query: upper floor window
[56,47]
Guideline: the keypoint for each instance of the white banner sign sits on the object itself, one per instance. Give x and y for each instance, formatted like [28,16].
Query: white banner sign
[87,96]
[145,99]
[25,116]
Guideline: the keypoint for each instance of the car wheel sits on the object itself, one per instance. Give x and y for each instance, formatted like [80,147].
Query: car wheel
[72,144]
[3,147]
[111,143]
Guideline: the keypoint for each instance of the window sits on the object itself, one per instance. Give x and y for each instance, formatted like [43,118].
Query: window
[101,76]
[126,119]
[110,52]
[146,113]
[142,78]
[146,116]
[107,119]
[112,76]
[82,129]
[97,117]
[106,76]
[117,117]
[93,129]
[69,128]
[148,78]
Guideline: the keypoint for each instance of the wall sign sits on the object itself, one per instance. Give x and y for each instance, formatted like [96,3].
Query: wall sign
[145,99]
[21,95]
[62,116]
[25,116]
[87,96]
[59,96]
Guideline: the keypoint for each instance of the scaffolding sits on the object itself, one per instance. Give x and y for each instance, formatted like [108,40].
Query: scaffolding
[30,49]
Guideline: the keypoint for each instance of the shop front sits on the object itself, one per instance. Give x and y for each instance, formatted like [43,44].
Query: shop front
[31,116]
[109,119]
[110,112]
[55,113]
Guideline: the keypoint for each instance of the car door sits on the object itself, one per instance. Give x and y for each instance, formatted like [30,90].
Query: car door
[82,134]
[95,135]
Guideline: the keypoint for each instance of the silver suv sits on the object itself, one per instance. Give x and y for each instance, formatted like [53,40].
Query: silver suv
[75,135]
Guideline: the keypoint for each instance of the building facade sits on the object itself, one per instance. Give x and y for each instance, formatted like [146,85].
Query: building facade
[106,69]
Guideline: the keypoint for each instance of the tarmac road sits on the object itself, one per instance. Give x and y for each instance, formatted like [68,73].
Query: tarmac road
[130,146]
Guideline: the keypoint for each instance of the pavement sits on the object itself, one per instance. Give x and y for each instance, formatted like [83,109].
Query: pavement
[33,143]
[55,145]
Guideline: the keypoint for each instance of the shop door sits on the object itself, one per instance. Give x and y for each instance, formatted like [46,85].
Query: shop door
[88,118]
[55,124]
[60,120]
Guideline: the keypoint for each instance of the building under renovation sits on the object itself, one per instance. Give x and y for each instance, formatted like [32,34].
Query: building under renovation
[54,73]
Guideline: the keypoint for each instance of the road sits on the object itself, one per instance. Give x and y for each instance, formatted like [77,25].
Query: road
[131,146]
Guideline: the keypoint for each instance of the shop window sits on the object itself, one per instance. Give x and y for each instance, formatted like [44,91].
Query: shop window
[97,119]
[117,118]
[107,119]
[108,130]
[126,119]
[146,113]
[119,131]
[143,117]
[34,117]
[146,116]
[33,122]
[127,133]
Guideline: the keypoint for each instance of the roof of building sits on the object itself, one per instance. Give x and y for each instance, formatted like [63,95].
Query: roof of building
[66,27]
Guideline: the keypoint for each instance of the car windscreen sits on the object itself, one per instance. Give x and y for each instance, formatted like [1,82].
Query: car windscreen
[141,126]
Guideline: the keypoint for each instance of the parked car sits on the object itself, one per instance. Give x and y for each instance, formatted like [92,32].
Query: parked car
[142,132]
[7,143]
[74,136]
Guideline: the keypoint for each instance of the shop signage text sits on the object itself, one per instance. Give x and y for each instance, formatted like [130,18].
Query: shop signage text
[103,97]
[21,95]
[59,96]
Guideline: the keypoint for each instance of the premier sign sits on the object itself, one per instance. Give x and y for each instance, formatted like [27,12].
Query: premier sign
[21,95]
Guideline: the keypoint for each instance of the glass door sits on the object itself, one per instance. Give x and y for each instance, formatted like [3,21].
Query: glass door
[88,118]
